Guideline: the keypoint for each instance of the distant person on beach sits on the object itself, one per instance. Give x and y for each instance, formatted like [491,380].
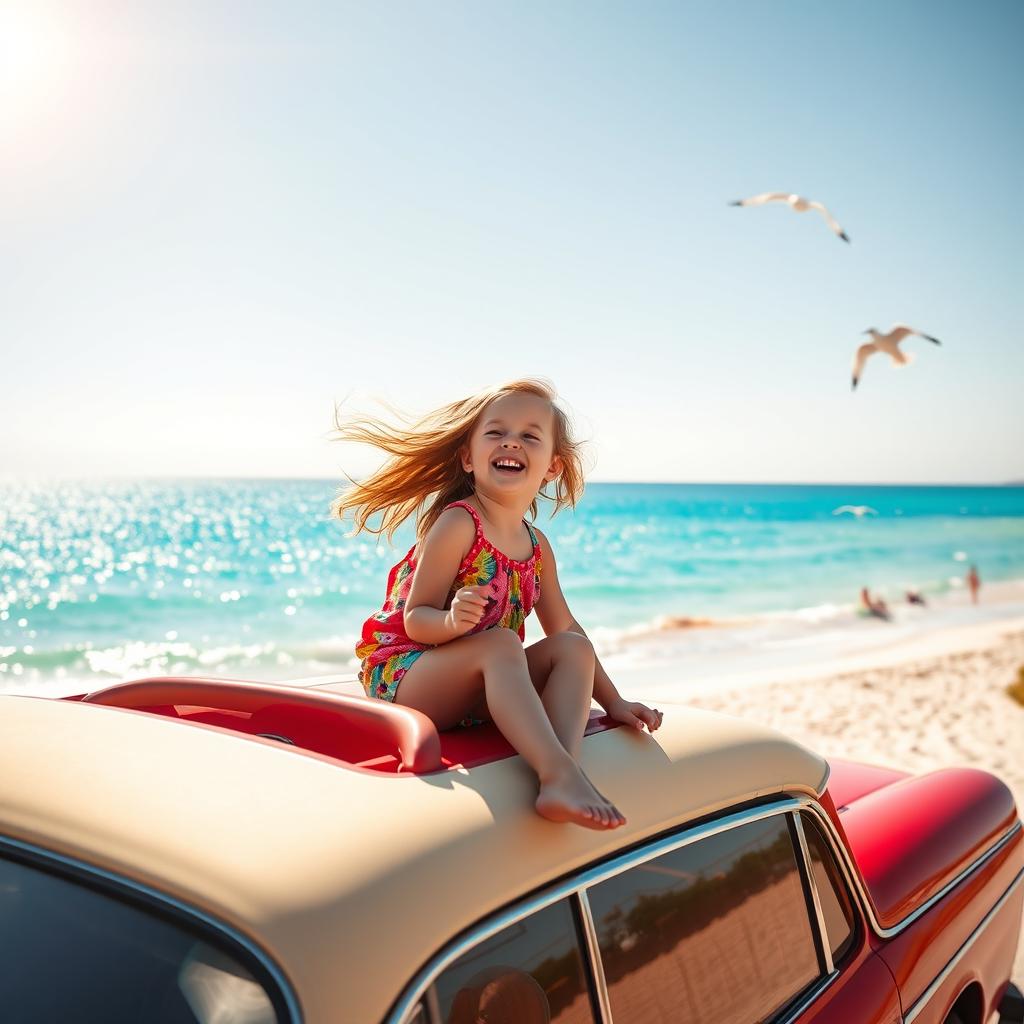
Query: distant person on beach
[874,606]
[973,583]
[916,597]
[449,640]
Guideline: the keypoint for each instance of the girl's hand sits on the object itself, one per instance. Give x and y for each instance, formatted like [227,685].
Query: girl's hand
[635,714]
[468,606]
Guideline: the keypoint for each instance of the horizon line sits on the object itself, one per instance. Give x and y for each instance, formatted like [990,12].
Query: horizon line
[208,478]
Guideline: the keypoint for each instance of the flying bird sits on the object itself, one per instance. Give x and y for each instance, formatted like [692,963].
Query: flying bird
[887,343]
[797,203]
[858,510]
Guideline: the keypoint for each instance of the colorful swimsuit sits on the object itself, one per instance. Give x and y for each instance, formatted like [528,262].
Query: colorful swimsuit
[387,652]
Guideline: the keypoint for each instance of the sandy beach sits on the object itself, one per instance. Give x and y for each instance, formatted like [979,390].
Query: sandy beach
[930,703]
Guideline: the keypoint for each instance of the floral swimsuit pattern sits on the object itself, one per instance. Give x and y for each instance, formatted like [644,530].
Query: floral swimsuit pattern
[385,649]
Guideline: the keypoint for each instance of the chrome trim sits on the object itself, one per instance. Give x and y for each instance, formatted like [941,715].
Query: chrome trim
[922,1000]
[116,881]
[604,1003]
[812,994]
[275,736]
[826,942]
[853,877]
[677,841]
[406,1002]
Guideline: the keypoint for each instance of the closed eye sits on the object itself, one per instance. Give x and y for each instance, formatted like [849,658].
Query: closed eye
[531,437]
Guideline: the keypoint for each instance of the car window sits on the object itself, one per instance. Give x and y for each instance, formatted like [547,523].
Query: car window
[74,953]
[716,932]
[832,892]
[529,973]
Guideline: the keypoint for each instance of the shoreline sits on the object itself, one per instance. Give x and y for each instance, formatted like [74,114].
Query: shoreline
[902,650]
[796,646]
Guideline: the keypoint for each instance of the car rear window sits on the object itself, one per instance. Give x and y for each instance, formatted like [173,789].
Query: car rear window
[73,952]
[715,932]
[529,973]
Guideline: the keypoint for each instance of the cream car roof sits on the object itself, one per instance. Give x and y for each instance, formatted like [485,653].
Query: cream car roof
[349,879]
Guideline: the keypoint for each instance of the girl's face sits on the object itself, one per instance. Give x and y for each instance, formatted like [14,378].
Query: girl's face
[511,448]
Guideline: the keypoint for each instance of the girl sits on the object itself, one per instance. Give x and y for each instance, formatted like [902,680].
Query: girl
[449,640]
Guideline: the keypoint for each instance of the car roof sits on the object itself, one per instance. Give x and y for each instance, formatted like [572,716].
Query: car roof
[350,879]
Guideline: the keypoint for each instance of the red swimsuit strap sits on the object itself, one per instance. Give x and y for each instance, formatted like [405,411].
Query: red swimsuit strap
[472,511]
[479,540]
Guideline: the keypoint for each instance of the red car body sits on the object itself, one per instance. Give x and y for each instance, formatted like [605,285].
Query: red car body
[940,858]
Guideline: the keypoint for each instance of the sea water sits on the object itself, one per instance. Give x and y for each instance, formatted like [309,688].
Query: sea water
[254,579]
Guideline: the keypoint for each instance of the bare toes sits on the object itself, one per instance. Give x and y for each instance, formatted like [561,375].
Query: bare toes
[562,806]
[612,816]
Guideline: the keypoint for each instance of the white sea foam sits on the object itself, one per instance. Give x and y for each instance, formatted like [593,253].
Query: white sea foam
[797,641]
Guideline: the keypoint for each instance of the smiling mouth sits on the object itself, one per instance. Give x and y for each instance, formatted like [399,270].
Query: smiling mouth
[508,466]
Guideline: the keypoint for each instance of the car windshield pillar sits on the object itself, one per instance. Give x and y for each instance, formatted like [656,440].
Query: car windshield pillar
[811,887]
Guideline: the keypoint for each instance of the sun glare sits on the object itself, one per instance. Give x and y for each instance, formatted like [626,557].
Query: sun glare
[35,52]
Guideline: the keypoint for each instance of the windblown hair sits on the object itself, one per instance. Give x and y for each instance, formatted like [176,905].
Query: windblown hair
[425,474]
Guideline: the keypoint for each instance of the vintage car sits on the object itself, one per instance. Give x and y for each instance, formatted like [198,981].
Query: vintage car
[178,850]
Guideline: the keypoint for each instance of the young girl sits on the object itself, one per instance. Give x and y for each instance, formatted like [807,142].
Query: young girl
[449,640]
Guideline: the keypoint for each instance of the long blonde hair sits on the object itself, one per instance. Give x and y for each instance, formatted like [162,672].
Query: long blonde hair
[425,462]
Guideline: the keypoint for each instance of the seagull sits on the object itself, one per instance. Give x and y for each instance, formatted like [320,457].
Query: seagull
[888,343]
[858,510]
[797,203]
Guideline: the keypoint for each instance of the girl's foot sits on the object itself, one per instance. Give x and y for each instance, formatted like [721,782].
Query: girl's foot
[572,798]
[616,813]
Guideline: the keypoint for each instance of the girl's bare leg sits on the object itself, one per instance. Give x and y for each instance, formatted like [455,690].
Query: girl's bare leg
[569,658]
[561,667]
[446,681]
[562,670]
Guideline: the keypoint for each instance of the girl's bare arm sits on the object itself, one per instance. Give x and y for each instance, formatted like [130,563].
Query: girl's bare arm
[440,554]
[555,616]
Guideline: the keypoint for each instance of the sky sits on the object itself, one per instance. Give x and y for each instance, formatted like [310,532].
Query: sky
[220,220]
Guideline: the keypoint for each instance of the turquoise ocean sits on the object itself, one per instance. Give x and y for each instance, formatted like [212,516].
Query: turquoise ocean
[253,579]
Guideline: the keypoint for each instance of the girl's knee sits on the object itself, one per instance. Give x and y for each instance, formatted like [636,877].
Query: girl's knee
[573,646]
[503,643]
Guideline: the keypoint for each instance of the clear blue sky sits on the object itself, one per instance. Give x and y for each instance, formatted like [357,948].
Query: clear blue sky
[218,219]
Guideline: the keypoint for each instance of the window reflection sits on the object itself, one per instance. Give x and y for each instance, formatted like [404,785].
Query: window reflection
[717,931]
[529,973]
